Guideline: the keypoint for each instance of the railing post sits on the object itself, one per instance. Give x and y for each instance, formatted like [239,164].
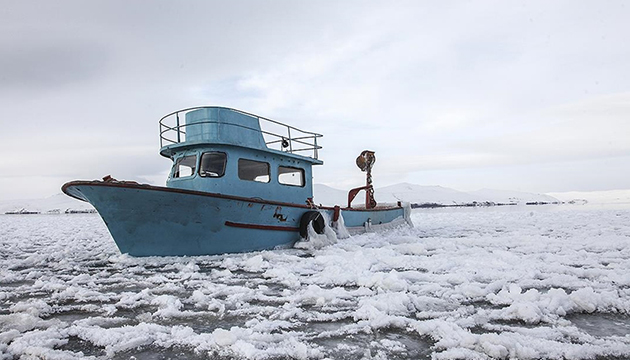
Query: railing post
[178,139]
[290,140]
[315,147]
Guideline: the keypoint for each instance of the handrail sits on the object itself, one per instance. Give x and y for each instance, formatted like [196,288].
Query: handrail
[171,127]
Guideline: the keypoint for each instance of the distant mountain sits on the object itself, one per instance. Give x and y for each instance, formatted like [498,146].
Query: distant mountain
[326,195]
[56,203]
[506,196]
[420,194]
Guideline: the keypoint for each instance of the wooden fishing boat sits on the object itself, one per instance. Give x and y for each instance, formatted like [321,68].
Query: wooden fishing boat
[233,187]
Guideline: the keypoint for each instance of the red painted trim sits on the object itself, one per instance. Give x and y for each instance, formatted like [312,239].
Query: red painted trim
[261,227]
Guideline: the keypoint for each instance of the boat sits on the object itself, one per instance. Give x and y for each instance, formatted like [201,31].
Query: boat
[234,186]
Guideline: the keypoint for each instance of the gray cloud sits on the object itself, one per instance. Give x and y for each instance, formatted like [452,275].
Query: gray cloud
[50,66]
[446,92]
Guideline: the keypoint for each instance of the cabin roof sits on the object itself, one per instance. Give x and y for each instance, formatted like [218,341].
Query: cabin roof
[213,125]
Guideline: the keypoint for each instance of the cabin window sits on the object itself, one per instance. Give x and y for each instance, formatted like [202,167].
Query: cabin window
[252,170]
[212,164]
[290,176]
[185,166]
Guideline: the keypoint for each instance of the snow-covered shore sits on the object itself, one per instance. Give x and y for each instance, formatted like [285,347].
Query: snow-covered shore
[595,197]
[55,204]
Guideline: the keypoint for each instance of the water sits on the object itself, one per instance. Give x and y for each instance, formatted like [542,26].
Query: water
[509,282]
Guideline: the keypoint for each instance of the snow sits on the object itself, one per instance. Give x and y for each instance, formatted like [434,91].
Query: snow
[596,197]
[56,203]
[419,194]
[507,197]
[503,282]
[317,241]
[422,194]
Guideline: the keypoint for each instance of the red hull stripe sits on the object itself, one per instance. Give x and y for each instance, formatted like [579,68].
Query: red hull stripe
[261,227]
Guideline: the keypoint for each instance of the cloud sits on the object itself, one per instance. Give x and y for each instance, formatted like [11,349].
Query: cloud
[432,87]
[50,66]
[589,129]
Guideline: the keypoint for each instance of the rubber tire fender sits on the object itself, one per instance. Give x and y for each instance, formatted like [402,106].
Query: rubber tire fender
[314,217]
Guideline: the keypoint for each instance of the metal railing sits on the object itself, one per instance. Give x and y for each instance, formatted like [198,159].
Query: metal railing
[287,138]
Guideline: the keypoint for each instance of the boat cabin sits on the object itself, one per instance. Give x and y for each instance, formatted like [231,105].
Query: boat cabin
[226,151]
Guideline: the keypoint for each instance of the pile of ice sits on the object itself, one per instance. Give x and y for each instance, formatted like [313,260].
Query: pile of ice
[474,284]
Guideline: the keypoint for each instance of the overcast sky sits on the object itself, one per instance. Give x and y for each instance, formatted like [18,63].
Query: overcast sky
[528,95]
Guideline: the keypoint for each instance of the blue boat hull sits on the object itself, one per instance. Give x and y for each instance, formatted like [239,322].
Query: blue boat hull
[159,221]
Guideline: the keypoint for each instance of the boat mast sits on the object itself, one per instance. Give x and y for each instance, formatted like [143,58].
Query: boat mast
[365,161]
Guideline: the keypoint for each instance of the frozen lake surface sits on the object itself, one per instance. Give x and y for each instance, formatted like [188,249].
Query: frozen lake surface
[504,282]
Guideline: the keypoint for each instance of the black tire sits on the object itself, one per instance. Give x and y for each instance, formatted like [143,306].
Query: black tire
[311,217]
